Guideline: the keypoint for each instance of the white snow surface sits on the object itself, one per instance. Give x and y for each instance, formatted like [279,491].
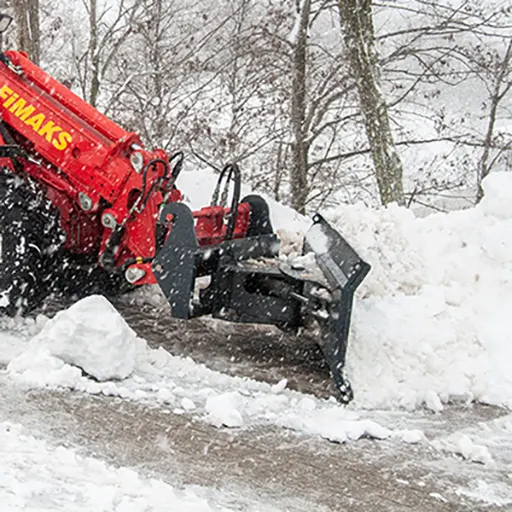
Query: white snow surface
[496,493]
[36,477]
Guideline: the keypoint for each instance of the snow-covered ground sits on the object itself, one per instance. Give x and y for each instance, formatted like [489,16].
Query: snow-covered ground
[35,477]
[431,325]
[43,354]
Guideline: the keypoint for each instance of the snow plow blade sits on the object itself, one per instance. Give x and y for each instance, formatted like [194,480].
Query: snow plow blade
[249,284]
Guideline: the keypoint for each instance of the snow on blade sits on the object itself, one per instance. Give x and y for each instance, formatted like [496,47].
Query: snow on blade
[90,335]
[318,240]
[35,476]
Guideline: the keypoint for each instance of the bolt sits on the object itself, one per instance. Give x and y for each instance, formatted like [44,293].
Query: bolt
[85,202]
[109,221]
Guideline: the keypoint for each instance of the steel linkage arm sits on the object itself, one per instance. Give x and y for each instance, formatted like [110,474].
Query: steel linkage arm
[248,285]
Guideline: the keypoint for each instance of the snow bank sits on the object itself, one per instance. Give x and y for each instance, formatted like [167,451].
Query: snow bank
[90,335]
[35,476]
[432,321]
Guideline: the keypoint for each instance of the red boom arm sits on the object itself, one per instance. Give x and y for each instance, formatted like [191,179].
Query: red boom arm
[108,188]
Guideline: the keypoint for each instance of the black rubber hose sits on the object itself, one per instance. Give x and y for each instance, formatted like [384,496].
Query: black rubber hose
[231,172]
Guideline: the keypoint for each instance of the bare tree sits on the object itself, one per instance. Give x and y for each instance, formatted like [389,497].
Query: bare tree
[109,30]
[502,85]
[299,170]
[429,62]
[254,89]
[27,20]
[234,90]
[156,89]
[359,35]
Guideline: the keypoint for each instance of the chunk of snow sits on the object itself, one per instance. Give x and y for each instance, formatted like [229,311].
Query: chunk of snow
[433,402]
[318,240]
[37,367]
[91,335]
[335,424]
[461,444]
[187,404]
[438,496]
[280,386]
[496,200]
[164,395]
[410,436]
[223,410]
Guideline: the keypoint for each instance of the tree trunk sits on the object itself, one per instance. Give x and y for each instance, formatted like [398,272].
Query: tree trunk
[484,167]
[160,129]
[26,13]
[234,85]
[94,54]
[299,171]
[359,36]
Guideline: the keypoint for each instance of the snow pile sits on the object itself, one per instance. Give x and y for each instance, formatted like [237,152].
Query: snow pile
[432,321]
[37,477]
[90,335]
[304,414]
